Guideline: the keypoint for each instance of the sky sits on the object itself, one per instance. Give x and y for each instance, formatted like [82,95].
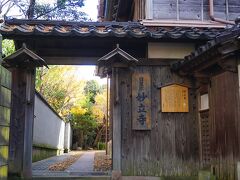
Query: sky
[90,7]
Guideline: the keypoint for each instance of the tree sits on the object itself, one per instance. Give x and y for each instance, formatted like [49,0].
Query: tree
[91,89]
[85,124]
[60,87]
[61,10]
[100,113]
[87,116]
[8,47]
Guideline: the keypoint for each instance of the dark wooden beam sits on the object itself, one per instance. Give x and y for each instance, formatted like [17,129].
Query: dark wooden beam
[56,60]
[84,60]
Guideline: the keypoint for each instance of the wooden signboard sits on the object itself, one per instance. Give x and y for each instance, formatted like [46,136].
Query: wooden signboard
[174,98]
[141,100]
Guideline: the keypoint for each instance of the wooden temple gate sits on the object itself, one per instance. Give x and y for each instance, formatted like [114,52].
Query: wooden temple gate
[158,126]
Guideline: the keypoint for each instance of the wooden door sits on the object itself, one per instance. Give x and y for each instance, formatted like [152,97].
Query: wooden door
[224,124]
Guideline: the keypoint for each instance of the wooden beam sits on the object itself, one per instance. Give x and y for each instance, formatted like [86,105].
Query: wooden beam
[229,64]
[81,60]
[57,60]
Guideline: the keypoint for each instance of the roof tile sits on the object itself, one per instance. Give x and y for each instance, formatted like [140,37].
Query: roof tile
[103,29]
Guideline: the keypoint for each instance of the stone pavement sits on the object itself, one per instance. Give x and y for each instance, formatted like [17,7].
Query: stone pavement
[84,164]
[44,164]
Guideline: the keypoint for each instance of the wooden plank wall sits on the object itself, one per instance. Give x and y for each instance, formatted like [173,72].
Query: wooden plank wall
[5,104]
[224,125]
[139,9]
[195,10]
[171,146]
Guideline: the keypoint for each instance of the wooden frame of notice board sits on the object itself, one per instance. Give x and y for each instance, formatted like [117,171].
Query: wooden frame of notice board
[174,98]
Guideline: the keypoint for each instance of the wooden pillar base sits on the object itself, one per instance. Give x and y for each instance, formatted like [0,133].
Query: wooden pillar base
[116,175]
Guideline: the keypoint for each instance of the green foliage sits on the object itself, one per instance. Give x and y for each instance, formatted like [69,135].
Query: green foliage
[101,146]
[8,47]
[88,115]
[60,87]
[91,89]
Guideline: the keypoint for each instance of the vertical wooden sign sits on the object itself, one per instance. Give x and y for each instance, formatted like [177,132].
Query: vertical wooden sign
[141,100]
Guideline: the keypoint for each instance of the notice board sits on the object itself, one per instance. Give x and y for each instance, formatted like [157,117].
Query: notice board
[174,98]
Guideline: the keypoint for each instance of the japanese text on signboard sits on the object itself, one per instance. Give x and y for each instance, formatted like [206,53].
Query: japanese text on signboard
[141,101]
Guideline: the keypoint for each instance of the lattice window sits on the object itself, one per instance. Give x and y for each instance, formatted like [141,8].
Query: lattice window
[205,136]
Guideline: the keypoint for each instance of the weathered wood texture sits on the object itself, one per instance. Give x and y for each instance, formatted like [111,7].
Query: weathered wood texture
[21,124]
[116,115]
[5,105]
[239,77]
[174,98]
[17,122]
[195,10]
[171,147]
[224,125]
[139,9]
[204,138]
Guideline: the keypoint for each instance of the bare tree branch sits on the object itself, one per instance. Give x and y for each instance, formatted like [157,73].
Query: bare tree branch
[22,10]
[4,3]
[8,9]
[45,13]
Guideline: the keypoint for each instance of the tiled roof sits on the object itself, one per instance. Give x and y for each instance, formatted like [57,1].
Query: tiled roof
[103,29]
[208,50]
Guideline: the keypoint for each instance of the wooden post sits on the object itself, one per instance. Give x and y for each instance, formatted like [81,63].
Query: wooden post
[116,141]
[29,118]
[149,9]
[21,125]
[239,76]
[107,116]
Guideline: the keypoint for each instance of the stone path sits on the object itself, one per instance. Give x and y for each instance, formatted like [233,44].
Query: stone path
[44,164]
[84,164]
[82,167]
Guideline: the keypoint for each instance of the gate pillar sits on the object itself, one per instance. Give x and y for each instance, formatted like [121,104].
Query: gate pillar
[22,64]
[112,64]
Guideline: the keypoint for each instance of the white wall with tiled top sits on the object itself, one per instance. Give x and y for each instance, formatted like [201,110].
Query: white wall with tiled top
[49,128]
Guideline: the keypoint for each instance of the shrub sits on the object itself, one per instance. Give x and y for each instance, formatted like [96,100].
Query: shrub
[101,146]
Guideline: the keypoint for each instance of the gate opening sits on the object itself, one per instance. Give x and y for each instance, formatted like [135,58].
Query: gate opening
[71,133]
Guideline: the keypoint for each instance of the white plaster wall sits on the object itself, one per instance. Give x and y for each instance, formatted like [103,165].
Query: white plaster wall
[68,136]
[48,127]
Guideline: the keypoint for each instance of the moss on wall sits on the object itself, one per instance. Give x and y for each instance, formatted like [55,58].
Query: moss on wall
[41,151]
[3,172]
